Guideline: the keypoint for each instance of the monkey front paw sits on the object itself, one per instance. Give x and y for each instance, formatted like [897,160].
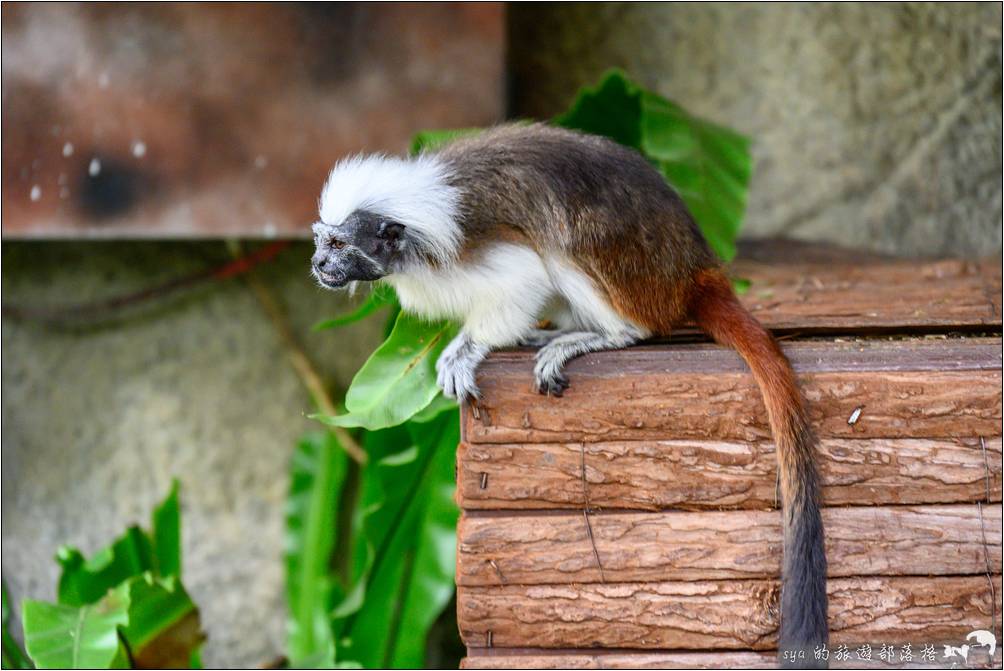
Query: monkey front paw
[548,375]
[553,386]
[456,377]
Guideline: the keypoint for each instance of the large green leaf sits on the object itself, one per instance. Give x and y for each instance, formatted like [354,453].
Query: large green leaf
[428,140]
[381,296]
[128,591]
[155,617]
[437,407]
[612,108]
[387,485]
[13,656]
[430,585]
[317,475]
[708,165]
[77,637]
[163,630]
[85,581]
[166,533]
[399,378]
[407,577]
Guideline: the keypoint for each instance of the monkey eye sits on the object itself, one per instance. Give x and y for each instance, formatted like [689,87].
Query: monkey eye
[337,244]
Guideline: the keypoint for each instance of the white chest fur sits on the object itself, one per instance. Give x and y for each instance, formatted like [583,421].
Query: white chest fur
[587,308]
[497,298]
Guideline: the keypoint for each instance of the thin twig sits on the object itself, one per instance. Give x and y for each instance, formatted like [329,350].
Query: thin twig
[990,579]
[983,530]
[592,542]
[495,566]
[585,513]
[986,466]
[777,485]
[303,367]
[582,473]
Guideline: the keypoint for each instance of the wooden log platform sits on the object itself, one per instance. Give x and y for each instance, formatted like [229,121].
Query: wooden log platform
[633,523]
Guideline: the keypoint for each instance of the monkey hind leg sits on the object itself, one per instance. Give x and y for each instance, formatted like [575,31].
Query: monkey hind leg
[540,337]
[548,373]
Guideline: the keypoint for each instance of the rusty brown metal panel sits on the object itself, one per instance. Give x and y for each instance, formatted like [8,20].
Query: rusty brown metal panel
[209,120]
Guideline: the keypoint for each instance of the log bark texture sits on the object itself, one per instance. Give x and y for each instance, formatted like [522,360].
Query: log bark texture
[719,615]
[555,548]
[496,658]
[861,389]
[656,440]
[885,295]
[654,475]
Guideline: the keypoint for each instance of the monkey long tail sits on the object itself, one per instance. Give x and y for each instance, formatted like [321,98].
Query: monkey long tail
[717,311]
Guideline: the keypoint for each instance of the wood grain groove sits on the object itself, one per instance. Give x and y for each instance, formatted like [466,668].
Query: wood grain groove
[695,475]
[718,615]
[683,546]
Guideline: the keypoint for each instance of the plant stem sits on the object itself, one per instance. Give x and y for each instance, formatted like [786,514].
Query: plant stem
[303,366]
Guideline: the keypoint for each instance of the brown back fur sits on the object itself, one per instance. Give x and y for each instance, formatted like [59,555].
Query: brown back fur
[590,199]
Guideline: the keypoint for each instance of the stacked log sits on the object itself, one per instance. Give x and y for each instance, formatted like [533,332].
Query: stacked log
[633,523]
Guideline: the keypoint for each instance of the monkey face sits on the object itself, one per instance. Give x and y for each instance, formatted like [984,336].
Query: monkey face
[364,247]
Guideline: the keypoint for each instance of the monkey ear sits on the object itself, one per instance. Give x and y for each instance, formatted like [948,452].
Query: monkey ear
[390,230]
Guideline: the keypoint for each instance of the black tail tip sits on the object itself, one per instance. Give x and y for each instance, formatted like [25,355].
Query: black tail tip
[805,631]
[803,656]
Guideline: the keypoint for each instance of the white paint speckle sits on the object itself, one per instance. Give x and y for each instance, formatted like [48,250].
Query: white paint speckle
[139,149]
[94,169]
[36,193]
[260,162]
[104,80]
[68,149]
[269,230]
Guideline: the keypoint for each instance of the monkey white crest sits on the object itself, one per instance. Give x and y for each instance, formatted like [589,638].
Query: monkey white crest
[411,190]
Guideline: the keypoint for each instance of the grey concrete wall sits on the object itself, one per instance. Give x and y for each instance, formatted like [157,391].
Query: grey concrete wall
[96,422]
[876,126]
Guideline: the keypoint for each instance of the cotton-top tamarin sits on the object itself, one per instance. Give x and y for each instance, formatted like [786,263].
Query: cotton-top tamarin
[523,223]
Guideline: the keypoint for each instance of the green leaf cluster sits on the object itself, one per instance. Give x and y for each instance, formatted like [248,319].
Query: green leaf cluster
[123,607]
[397,558]
[399,378]
[708,165]
[370,550]
[14,656]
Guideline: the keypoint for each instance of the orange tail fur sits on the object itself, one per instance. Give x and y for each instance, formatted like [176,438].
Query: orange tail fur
[718,312]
